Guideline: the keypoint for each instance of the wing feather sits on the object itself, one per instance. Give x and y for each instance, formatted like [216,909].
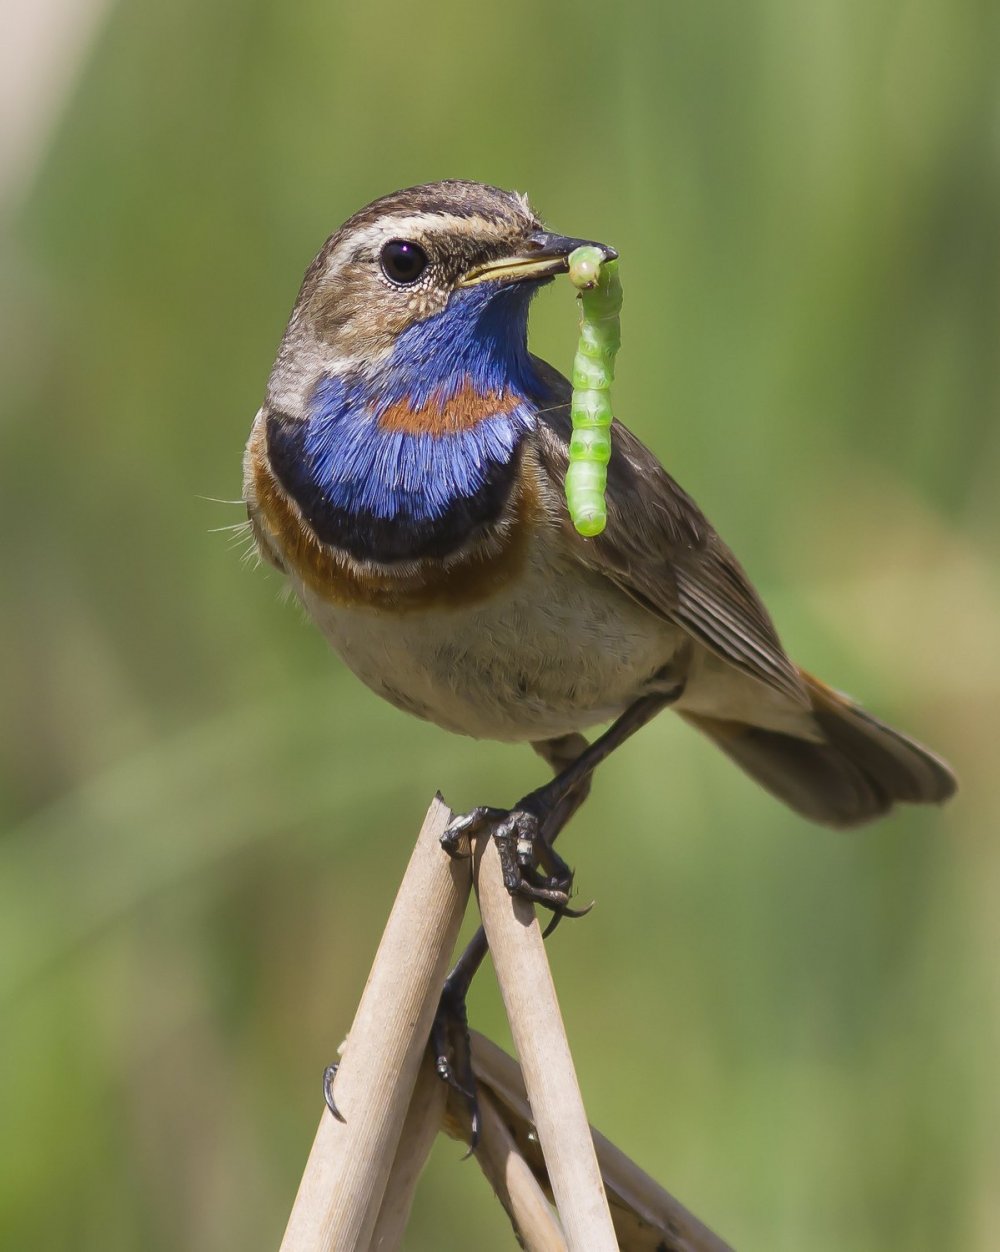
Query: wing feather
[660,549]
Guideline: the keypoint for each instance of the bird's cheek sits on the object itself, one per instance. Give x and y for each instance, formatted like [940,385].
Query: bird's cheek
[382,322]
[358,330]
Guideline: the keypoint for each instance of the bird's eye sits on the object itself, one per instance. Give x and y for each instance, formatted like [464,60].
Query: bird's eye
[403,262]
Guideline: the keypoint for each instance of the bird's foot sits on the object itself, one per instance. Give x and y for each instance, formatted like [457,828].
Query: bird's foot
[452,1050]
[530,865]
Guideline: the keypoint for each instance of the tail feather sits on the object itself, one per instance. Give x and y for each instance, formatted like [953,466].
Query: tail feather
[853,774]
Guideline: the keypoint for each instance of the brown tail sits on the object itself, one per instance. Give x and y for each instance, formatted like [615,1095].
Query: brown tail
[856,773]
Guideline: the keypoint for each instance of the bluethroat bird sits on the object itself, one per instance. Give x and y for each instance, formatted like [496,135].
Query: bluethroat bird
[406,471]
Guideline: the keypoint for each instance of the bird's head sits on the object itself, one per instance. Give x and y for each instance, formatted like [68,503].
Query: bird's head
[421,284]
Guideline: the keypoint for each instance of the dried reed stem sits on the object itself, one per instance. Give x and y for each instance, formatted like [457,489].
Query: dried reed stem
[646,1216]
[424,1120]
[529,997]
[345,1178]
[511,1177]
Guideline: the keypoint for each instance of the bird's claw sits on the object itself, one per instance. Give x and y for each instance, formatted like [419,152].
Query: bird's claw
[523,850]
[329,1074]
[462,830]
[559,914]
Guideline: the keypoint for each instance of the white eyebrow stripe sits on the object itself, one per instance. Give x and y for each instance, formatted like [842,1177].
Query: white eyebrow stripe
[409,226]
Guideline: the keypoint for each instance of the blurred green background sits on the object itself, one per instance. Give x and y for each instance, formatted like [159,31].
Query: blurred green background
[205,816]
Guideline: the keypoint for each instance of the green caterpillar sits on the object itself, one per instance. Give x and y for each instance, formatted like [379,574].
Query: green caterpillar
[593,371]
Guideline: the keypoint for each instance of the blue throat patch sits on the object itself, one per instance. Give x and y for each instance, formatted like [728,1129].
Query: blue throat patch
[410,460]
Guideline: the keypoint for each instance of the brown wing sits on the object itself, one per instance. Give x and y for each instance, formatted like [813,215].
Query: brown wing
[660,549]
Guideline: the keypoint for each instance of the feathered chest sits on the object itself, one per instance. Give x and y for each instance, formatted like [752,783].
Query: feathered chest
[400,479]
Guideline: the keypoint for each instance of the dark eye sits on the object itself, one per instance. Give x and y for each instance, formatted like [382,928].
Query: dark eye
[403,262]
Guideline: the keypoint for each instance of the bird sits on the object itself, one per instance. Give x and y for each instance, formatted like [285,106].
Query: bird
[405,472]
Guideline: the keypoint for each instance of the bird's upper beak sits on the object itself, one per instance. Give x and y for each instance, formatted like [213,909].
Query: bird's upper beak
[540,256]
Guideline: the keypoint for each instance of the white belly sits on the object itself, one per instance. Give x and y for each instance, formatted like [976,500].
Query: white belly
[558,649]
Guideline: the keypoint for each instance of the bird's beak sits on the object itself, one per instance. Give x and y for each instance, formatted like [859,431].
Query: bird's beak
[542,255]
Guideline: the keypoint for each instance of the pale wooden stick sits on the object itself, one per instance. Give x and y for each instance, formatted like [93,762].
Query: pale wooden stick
[345,1177]
[423,1121]
[646,1216]
[529,998]
[511,1177]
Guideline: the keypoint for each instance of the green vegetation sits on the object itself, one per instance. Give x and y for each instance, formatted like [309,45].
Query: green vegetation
[205,816]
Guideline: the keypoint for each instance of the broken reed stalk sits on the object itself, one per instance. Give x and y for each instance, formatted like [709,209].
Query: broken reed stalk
[529,997]
[514,1183]
[342,1189]
[646,1216]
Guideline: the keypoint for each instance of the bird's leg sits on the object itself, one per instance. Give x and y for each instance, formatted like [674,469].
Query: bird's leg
[573,761]
[525,833]
[450,1032]
[450,1040]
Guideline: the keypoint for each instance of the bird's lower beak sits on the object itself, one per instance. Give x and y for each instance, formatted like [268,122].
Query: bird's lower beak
[541,256]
